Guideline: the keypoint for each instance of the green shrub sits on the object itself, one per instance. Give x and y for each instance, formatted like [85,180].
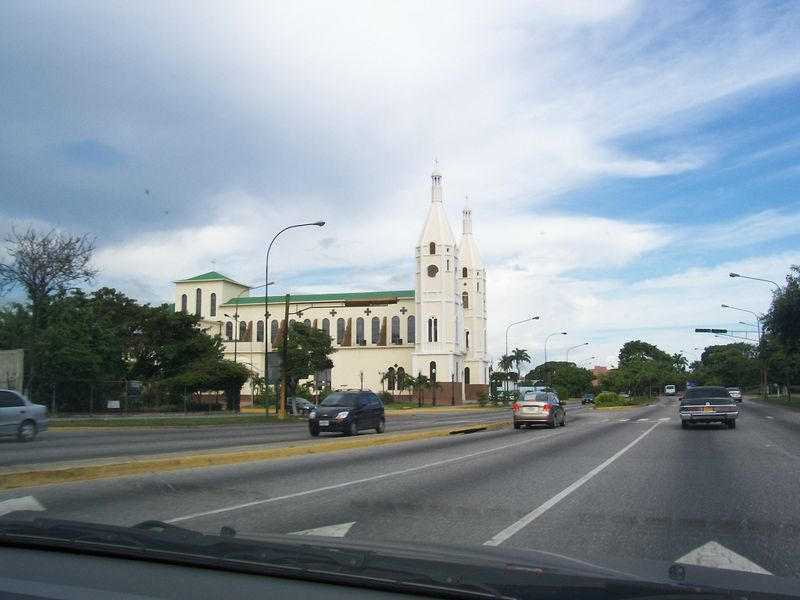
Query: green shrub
[481,395]
[609,399]
[386,397]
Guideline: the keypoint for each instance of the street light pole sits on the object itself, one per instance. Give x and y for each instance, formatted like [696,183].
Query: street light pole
[536,318]
[756,279]
[266,311]
[545,354]
[764,383]
[573,348]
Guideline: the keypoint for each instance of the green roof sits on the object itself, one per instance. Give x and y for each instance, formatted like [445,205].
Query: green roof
[211,276]
[326,297]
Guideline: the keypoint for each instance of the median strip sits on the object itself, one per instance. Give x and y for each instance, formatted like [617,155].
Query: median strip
[140,465]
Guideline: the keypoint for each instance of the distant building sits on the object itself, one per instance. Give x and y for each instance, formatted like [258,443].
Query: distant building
[437,329]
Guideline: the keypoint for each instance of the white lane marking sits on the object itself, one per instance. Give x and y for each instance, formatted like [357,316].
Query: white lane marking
[624,420]
[24,503]
[345,484]
[640,420]
[665,418]
[770,417]
[338,530]
[540,510]
[605,420]
[714,554]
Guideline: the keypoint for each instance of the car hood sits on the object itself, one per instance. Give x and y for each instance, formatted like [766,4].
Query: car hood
[331,411]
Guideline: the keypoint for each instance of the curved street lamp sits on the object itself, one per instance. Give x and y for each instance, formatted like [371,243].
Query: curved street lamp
[536,318]
[545,353]
[573,348]
[279,406]
[755,279]
[764,383]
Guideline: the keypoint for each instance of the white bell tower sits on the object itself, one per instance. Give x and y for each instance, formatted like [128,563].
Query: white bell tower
[472,288]
[439,316]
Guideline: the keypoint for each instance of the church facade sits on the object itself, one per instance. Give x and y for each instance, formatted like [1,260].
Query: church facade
[438,329]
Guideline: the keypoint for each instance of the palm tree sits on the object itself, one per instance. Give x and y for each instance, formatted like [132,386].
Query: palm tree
[679,362]
[504,364]
[520,357]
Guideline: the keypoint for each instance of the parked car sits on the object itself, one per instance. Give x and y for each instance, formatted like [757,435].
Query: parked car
[708,404]
[735,393]
[348,412]
[539,407]
[21,417]
[299,406]
[587,399]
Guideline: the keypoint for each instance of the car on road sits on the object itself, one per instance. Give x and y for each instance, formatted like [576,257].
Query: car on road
[21,417]
[539,408]
[299,406]
[735,393]
[348,412]
[669,390]
[708,404]
[587,399]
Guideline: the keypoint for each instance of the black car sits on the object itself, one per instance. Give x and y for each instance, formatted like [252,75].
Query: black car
[708,404]
[587,399]
[348,412]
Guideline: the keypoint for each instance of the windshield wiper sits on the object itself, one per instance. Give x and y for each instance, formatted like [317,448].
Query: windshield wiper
[434,570]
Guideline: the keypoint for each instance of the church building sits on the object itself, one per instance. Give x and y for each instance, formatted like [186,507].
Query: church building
[437,329]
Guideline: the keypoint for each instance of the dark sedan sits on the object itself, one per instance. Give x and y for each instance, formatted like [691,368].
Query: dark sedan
[708,404]
[348,412]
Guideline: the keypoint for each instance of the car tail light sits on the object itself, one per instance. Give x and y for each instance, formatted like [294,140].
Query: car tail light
[516,407]
[546,407]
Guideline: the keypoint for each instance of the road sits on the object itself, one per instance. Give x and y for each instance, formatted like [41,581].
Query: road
[59,445]
[625,483]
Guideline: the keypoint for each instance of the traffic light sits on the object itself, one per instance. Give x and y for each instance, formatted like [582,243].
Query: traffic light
[711,331]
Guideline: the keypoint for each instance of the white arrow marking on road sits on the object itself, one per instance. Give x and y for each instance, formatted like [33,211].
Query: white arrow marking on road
[338,530]
[24,503]
[714,554]
[664,419]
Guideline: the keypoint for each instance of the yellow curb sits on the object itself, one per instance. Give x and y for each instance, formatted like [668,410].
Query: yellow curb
[137,467]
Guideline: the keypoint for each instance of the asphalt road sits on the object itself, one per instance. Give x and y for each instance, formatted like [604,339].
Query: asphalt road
[59,445]
[625,483]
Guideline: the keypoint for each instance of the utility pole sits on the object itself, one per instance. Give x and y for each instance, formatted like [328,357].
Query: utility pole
[284,360]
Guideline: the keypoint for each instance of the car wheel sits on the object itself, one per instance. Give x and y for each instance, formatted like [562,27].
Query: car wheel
[314,431]
[26,431]
[552,425]
[517,425]
[381,426]
[352,429]
[564,419]
[684,425]
[731,424]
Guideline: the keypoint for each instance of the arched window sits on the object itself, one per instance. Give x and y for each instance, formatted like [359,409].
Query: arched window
[198,302]
[448,264]
[184,303]
[229,331]
[432,371]
[411,331]
[390,379]
[395,330]
[465,299]
[401,378]
[242,330]
[307,323]
[273,331]
[339,330]
[212,311]
[360,331]
[467,338]
[432,270]
[466,375]
[291,322]
[432,248]
[326,326]
[376,329]
[433,330]
[464,272]
[260,331]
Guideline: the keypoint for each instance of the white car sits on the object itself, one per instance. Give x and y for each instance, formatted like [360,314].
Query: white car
[735,393]
[669,390]
[21,417]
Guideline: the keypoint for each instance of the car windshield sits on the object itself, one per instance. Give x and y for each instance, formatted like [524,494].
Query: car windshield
[337,399]
[507,251]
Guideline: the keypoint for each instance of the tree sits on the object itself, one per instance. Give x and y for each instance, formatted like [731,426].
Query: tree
[308,351]
[44,264]
[783,318]
[520,357]
[639,350]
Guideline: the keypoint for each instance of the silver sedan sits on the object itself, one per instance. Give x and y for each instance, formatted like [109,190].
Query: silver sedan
[21,417]
[539,408]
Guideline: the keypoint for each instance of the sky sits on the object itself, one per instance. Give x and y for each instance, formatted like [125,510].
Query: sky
[620,158]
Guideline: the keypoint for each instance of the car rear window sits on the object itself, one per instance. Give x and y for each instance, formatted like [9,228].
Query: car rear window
[705,393]
[534,397]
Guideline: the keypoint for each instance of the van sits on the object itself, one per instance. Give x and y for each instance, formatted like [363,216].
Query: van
[669,390]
